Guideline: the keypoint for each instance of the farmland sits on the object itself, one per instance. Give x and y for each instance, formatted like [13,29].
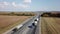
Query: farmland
[7,22]
[50,25]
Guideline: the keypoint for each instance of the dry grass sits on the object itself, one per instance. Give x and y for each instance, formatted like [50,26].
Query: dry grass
[7,22]
[50,25]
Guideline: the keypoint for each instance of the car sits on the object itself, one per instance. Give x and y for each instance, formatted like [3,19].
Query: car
[37,19]
[32,25]
[35,22]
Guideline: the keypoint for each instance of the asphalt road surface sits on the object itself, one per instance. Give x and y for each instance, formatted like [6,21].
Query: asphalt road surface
[38,28]
[25,29]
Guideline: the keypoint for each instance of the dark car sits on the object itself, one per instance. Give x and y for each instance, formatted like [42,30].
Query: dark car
[35,20]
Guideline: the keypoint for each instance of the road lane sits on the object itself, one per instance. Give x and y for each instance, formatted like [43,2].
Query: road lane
[38,28]
[25,28]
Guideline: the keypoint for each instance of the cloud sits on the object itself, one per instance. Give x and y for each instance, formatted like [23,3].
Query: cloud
[27,1]
[4,4]
[20,5]
[13,5]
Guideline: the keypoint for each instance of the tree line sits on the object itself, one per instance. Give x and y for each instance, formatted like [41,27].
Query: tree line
[19,14]
[49,14]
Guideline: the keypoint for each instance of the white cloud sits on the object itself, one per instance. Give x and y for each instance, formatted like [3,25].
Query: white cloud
[23,6]
[4,4]
[14,5]
[27,1]
[20,5]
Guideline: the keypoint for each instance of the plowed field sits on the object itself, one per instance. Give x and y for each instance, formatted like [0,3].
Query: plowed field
[7,22]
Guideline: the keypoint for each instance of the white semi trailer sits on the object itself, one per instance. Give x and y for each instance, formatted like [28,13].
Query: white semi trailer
[17,27]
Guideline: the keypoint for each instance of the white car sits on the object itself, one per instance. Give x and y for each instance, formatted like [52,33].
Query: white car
[37,19]
[35,22]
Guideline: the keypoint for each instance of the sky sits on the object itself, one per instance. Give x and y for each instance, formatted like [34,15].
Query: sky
[29,5]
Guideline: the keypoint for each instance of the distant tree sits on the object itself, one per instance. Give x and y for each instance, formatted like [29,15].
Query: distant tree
[12,13]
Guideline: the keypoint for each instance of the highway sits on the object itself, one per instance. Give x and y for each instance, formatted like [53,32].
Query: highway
[25,29]
[45,25]
[38,28]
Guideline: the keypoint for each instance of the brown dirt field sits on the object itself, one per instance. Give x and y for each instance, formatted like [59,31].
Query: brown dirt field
[50,25]
[7,22]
